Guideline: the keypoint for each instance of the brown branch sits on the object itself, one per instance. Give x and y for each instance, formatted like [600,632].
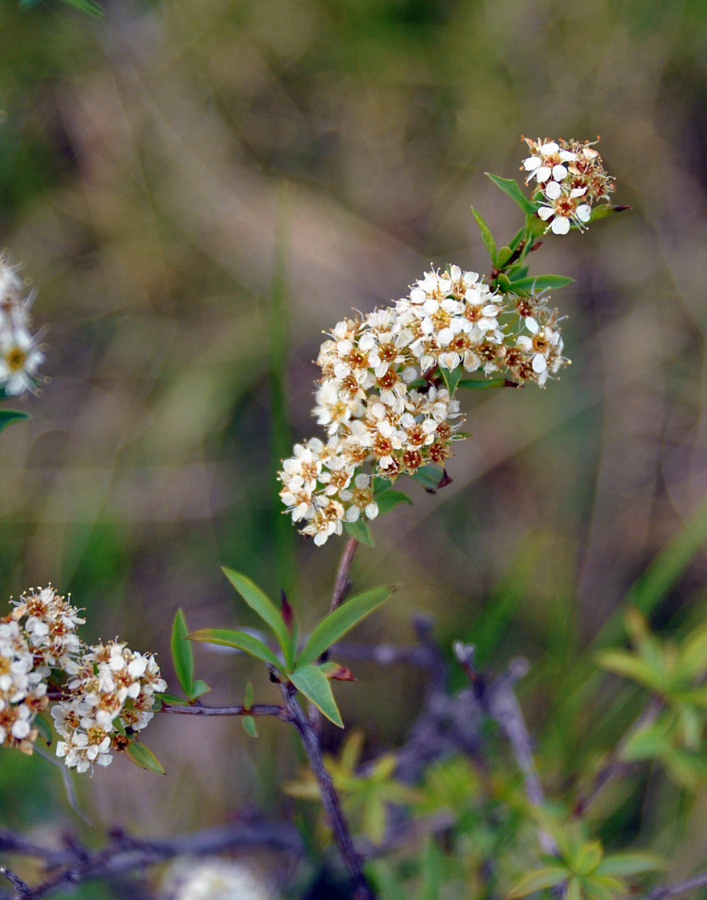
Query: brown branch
[680,887]
[501,703]
[342,583]
[258,709]
[330,798]
[125,854]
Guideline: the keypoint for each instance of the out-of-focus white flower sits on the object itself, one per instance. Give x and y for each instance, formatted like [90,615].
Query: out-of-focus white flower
[213,879]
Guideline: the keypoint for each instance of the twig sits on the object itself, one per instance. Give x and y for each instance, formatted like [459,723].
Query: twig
[258,709]
[342,583]
[502,705]
[330,798]
[22,888]
[615,765]
[125,854]
[680,887]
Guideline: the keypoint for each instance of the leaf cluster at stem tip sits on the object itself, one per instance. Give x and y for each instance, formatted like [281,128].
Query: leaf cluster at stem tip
[300,666]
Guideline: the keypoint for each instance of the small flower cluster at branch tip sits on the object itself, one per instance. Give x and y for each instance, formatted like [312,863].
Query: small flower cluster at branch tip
[382,397]
[106,690]
[20,352]
[571,177]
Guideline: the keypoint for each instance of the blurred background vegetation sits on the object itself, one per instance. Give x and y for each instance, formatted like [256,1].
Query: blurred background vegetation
[185,182]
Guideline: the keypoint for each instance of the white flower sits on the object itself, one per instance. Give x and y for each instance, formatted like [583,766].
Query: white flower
[20,357]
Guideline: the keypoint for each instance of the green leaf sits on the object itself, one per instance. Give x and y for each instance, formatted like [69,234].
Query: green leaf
[390,499]
[428,476]
[649,742]
[143,757]
[41,723]
[182,654]
[481,384]
[172,699]
[536,881]
[693,653]
[486,235]
[519,236]
[380,485]
[504,254]
[630,863]
[249,726]
[248,695]
[261,604]
[431,871]
[360,531]
[574,889]
[540,283]
[588,858]
[601,212]
[8,416]
[316,688]
[240,641]
[341,621]
[199,688]
[451,378]
[510,187]
[629,666]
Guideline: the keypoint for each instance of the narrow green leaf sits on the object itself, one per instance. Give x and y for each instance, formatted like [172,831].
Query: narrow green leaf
[601,212]
[451,378]
[536,881]
[341,621]
[316,688]
[143,757]
[249,726]
[8,416]
[390,499]
[41,723]
[510,187]
[360,531]
[261,604]
[481,384]
[240,641]
[429,477]
[182,654]
[519,236]
[541,283]
[172,699]
[199,688]
[89,7]
[630,863]
[486,235]
[504,254]
[248,695]
[588,858]
[431,871]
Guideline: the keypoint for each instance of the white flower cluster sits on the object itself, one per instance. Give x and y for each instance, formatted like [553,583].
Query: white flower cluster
[103,690]
[213,879]
[571,177]
[382,397]
[112,691]
[20,354]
